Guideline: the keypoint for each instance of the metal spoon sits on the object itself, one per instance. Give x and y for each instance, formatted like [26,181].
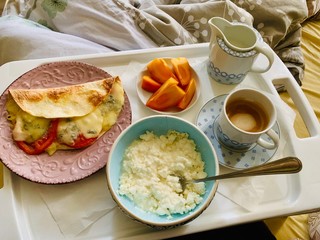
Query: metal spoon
[282,166]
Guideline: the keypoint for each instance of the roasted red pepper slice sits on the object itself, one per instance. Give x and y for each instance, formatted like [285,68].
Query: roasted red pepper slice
[43,143]
[82,142]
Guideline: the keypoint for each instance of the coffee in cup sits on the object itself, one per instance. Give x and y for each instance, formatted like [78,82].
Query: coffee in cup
[247,114]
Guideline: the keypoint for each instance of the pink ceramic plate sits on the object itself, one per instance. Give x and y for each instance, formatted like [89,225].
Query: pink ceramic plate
[64,166]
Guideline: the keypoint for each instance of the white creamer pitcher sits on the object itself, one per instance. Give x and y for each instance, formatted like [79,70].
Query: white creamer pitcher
[233,49]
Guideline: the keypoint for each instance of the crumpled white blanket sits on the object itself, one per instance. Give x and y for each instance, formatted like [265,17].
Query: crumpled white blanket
[30,40]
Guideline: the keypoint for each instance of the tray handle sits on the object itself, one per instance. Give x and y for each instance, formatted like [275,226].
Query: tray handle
[303,105]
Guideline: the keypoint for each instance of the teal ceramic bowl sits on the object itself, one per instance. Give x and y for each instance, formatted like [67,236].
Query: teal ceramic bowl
[160,124]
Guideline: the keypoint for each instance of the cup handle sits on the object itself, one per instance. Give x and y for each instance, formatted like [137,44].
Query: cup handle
[274,137]
[266,51]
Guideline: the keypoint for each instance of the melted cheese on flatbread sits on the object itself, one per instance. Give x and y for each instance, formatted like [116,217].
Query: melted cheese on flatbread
[96,122]
[27,127]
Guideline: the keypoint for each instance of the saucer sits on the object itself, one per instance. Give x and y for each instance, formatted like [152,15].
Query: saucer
[255,156]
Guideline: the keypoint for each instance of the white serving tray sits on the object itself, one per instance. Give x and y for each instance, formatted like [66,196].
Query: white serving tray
[25,216]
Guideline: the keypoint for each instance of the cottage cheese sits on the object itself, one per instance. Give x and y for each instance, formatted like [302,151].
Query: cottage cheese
[150,168]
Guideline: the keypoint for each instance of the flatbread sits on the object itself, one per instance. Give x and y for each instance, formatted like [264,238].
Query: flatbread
[84,113]
[63,102]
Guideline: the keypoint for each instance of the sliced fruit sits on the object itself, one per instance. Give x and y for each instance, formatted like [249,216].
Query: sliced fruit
[182,70]
[190,91]
[160,71]
[149,84]
[168,95]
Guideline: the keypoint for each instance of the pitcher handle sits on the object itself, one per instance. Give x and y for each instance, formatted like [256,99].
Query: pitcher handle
[264,49]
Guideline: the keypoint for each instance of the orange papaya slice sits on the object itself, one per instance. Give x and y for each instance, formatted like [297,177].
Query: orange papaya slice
[182,70]
[168,95]
[149,84]
[159,70]
[190,91]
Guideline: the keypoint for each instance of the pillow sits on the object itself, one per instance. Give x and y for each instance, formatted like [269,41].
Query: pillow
[107,23]
[133,24]
[21,39]
[314,225]
[313,9]
[279,23]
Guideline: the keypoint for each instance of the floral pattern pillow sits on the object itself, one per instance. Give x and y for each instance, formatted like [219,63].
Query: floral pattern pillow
[314,225]
[313,9]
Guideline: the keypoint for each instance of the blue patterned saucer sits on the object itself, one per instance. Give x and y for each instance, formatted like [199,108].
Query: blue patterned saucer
[256,155]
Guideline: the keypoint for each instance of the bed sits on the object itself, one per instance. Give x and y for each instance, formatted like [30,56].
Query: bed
[34,29]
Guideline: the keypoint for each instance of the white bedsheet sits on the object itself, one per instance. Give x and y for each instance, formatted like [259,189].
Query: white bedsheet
[30,40]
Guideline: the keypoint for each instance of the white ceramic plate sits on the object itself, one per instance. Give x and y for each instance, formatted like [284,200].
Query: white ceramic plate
[62,166]
[145,95]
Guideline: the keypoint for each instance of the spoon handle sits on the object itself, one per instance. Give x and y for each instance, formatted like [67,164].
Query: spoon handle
[282,166]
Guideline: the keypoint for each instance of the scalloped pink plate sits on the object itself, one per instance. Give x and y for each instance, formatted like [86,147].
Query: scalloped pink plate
[65,165]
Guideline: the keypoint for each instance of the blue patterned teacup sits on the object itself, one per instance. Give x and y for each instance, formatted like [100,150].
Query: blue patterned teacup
[247,114]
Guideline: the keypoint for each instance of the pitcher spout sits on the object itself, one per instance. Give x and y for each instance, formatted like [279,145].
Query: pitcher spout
[218,26]
[237,36]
